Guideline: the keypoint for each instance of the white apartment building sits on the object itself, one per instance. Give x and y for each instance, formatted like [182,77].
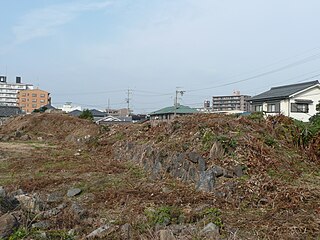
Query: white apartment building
[9,91]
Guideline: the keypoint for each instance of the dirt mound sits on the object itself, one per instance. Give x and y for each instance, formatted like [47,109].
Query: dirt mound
[52,126]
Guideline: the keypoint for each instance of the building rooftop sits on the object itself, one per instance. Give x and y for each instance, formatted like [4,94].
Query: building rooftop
[6,111]
[179,110]
[283,91]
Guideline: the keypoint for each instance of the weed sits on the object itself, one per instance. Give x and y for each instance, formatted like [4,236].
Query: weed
[213,215]
[23,233]
[270,141]
[164,215]
[119,136]
[207,139]
[227,143]
[20,233]
[256,116]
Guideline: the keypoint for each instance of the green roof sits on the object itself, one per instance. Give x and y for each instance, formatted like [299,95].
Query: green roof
[179,110]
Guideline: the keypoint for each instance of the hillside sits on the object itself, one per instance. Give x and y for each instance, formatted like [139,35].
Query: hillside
[199,177]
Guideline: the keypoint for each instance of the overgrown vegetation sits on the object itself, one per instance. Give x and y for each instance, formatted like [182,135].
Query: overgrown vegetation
[86,114]
[164,215]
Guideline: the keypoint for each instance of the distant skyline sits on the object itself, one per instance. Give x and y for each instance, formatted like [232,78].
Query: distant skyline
[87,52]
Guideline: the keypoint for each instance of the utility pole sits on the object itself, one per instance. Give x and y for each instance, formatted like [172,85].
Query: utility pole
[176,100]
[108,111]
[128,101]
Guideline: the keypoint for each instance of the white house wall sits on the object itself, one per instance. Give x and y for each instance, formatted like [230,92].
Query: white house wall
[312,95]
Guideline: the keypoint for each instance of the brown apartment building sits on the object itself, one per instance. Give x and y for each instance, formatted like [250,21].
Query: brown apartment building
[29,100]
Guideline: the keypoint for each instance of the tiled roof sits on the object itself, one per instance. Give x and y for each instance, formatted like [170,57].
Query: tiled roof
[283,91]
[179,110]
[6,111]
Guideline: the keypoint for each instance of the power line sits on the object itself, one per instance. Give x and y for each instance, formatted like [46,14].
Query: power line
[302,61]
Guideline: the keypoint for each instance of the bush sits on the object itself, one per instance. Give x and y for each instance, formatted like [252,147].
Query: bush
[86,114]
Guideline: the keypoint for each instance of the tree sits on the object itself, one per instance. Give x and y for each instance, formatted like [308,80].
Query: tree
[86,114]
[315,119]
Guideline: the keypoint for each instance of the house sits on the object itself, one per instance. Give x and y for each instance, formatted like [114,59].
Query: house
[7,111]
[296,100]
[108,120]
[168,113]
[97,115]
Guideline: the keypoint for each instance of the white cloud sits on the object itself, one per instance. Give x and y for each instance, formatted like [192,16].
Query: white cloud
[43,22]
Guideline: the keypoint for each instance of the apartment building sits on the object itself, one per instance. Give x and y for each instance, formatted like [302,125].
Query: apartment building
[9,91]
[29,100]
[235,102]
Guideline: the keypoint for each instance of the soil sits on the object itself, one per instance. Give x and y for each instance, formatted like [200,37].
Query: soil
[276,198]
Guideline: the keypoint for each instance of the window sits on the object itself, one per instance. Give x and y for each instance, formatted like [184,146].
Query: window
[34,100]
[300,107]
[258,108]
[42,95]
[42,101]
[23,99]
[34,105]
[34,95]
[23,94]
[273,107]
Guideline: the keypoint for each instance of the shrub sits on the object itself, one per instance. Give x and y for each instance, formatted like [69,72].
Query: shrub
[86,114]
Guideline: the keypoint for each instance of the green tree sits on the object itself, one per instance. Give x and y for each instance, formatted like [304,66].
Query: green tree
[315,119]
[86,114]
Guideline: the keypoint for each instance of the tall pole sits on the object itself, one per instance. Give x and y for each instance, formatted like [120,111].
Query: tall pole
[176,100]
[128,101]
[108,111]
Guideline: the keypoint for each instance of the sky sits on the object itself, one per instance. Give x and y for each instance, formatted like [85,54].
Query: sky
[91,52]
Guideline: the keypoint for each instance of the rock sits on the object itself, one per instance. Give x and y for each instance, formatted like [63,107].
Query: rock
[8,223]
[218,171]
[126,231]
[55,197]
[54,211]
[30,203]
[2,192]
[216,151]
[18,134]
[210,228]
[201,164]
[73,192]
[194,157]
[166,235]
[238,171]
[101,232]
[206,181]
[5,138]
[25,137]
[17,192]
[7,204]
[263,201]
[227,173]
[41,225]
[78,211]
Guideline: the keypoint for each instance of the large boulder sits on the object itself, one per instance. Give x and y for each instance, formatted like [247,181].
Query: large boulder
[8,224]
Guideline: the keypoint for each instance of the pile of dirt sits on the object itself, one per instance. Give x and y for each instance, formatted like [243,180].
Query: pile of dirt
[276,194]
[50,126]
[265,185]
